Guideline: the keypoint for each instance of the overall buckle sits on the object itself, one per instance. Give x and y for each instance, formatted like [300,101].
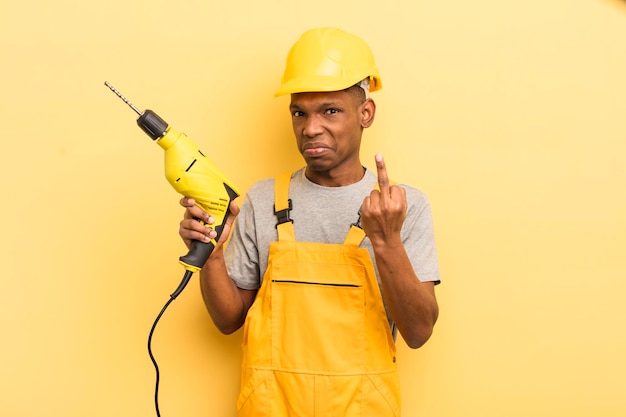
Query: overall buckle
[283,215]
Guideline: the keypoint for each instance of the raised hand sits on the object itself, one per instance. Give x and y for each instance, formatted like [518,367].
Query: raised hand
[384,210]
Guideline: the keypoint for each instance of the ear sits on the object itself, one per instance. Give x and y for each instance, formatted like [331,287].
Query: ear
[368,111]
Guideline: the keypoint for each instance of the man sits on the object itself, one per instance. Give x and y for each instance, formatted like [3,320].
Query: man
[324,264]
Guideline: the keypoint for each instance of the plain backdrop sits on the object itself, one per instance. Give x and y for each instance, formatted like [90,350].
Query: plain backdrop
[508,115]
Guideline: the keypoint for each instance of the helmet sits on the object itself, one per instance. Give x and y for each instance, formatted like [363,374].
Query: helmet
[328,59]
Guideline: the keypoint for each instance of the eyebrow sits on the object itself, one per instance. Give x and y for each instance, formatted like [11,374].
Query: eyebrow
[325,104]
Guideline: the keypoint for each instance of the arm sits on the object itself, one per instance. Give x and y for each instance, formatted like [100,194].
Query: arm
[227,305]
[411,303]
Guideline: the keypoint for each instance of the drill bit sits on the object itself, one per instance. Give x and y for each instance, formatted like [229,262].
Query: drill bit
[124,99]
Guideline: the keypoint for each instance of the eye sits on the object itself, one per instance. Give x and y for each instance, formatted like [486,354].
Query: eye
[297,113]
[332,111]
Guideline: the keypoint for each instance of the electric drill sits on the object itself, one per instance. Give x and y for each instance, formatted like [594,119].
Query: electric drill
[193,175]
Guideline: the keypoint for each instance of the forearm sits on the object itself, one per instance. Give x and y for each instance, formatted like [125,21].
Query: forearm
[221,296]
[411,303]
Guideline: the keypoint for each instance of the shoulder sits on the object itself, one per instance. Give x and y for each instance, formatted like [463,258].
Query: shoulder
[419,213]
[417,201]
[414,195]
[261,187]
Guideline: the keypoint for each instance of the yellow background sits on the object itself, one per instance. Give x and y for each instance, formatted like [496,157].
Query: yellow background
[509,115]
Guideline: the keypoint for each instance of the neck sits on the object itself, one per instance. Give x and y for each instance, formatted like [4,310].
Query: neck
[335,179]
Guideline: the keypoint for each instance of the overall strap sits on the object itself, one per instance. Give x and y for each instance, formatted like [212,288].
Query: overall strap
[282,207]
[355,235]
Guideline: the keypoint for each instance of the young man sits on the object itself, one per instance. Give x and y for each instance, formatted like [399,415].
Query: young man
[323,264]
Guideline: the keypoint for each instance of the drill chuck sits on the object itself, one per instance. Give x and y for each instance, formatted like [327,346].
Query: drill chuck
[152,124]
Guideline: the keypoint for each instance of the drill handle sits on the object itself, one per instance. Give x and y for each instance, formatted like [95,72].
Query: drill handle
[196,257]
[193,261]
[198,254]
[200,251]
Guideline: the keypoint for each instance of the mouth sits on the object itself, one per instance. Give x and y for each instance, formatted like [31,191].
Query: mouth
[315,149]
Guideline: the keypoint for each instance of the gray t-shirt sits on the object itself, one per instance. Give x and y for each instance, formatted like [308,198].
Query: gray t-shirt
[323,215]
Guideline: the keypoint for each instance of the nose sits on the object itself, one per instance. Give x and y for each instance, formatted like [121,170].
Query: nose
[312,126]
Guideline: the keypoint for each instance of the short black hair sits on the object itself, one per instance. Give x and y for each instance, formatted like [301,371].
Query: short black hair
[357,92]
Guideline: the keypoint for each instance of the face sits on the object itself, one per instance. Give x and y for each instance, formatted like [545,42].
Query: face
[328,128]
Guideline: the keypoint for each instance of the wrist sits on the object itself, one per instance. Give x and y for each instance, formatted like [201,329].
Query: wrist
[386,245]
[218,252]
[215,262]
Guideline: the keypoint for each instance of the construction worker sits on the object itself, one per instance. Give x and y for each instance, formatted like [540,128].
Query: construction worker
[325,264]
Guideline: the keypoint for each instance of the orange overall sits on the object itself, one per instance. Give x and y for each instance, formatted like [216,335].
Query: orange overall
[317,340]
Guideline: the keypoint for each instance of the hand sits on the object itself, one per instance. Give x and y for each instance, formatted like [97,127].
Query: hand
[192,229]
[384,210]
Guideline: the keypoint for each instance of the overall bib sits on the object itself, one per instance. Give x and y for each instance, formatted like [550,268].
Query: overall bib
[317,341]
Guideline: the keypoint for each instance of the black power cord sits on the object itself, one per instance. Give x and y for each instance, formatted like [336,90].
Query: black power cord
[173,296]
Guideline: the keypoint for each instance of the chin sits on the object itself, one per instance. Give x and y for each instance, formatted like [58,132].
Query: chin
[317,165]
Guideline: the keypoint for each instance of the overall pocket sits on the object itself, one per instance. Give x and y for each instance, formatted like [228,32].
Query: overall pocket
[326,333]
